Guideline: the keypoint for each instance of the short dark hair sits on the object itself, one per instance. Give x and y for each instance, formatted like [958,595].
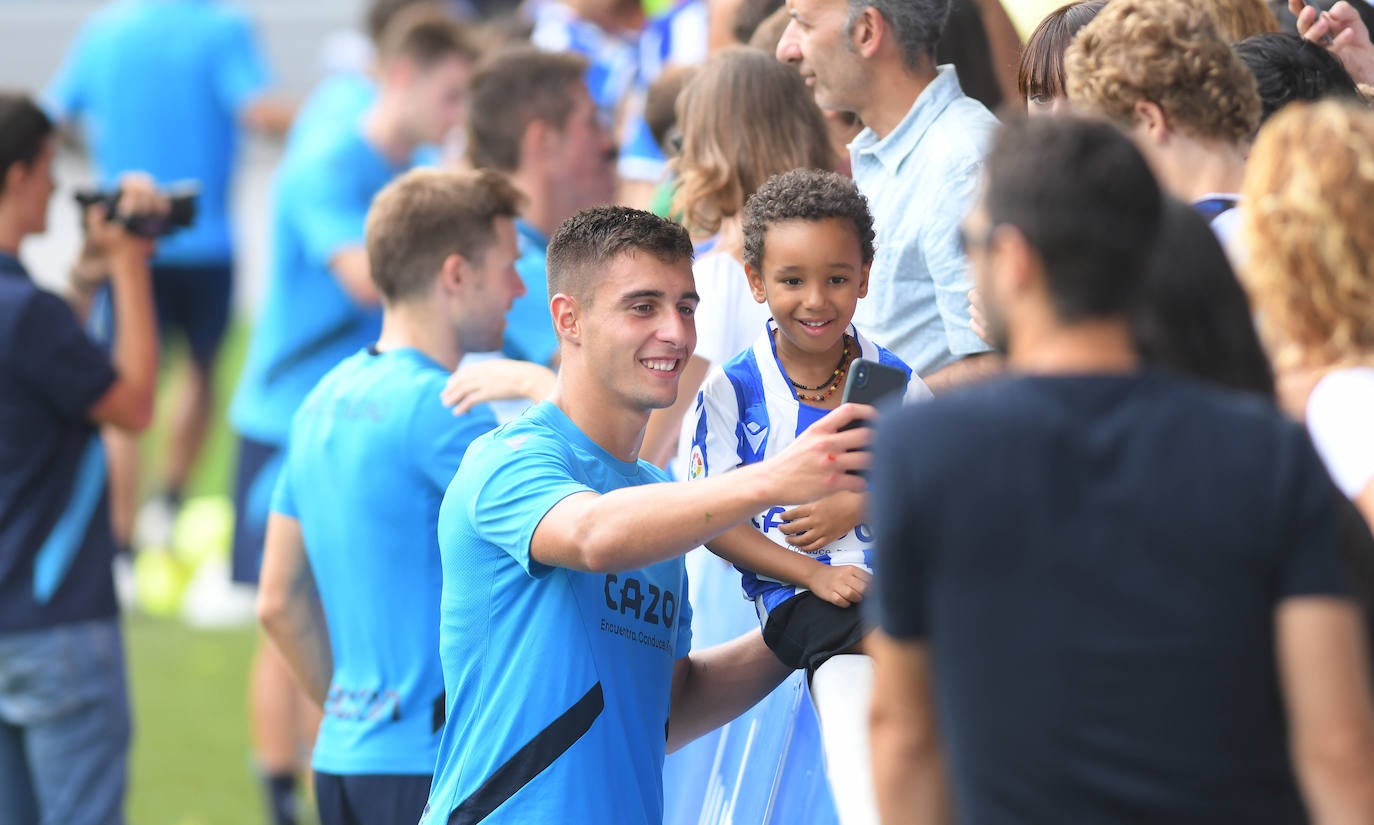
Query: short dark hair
[586,242]
[426,34]
[516,87]
[380,13]
[1288,68]
[805,195]
[426,215]
[23,131]
[1193,317]
[1084,198]
[1042,60]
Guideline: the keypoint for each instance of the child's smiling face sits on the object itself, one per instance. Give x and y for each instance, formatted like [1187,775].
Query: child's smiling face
[812,277]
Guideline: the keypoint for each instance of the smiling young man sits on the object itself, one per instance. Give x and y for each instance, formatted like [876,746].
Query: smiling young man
[565,621]
[917,162]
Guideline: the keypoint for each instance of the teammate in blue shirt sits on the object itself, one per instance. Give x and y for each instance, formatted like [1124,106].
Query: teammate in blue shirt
[533,118]
[175,114]
[565,621]
[64,711]
[351,573]
[321,303]
[808,244]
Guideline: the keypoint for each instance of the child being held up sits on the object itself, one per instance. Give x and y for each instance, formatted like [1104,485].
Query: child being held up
[808,245]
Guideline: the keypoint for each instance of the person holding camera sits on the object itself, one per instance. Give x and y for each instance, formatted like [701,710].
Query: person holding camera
[64,713]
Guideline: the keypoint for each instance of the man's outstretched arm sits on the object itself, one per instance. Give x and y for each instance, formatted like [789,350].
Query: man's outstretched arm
[635,527]
[713,686]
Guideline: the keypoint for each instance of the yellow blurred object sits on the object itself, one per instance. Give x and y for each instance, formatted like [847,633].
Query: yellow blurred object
[160,580]
[1027,14]
[204,529]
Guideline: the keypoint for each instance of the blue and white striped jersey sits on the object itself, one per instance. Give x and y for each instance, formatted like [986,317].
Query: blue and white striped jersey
[748,412]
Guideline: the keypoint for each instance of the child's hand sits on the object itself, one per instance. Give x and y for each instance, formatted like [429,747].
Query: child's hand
[842,585]
[496,380]
[810,527]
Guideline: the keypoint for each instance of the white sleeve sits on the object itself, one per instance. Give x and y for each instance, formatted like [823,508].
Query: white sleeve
[916,390]
[715,426]
[1339,415]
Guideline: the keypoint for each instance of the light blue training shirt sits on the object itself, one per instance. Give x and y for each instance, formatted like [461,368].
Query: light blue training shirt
[308,324]
[373,449]
[558,681]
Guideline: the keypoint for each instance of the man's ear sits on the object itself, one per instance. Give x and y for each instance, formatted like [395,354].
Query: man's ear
[1147,117]
[567,317]
[537,143]
[15,174]
[868,31]
[756,283]
[1016,259]
[453,272]
[398,72]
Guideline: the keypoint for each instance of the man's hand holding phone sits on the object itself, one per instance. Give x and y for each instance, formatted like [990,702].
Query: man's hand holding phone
[820,461]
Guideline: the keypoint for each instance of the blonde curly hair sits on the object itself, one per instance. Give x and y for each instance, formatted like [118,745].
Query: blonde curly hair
[1308,188]
[1171,53]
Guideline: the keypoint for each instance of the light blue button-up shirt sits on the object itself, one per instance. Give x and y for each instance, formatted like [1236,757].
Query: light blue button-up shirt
[920,182]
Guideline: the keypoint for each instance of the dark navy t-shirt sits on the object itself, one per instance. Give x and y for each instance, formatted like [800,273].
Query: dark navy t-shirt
[1095,562]
[55,539]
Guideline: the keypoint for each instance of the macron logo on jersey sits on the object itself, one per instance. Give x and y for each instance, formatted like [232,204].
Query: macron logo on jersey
[755,433]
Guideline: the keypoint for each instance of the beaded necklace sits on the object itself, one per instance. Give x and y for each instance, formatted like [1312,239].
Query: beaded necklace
[826,388]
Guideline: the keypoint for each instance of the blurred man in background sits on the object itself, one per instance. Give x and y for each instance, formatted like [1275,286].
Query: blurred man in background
[321,307]
[166,88]
[64,710]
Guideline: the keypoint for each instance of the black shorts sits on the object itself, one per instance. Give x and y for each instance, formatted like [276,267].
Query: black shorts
[371,799]
[193,301]
[806,630]
[255,478]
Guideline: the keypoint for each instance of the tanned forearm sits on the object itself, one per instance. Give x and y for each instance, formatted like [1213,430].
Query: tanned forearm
[964,371]
[634,527]
[745,547]
[595,528]
[290,611]
[135,346]
[713,686]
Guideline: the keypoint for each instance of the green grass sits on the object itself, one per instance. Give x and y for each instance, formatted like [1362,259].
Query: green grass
[191,762]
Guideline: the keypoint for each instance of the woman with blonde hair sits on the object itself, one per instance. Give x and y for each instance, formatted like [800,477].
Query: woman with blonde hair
[1311,277]
[744,117]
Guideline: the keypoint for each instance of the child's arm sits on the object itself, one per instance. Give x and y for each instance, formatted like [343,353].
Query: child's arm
[743,546]
[810,527]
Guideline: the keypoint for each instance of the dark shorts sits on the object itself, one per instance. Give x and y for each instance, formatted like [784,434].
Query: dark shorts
[255,478]
[371,799]
[192,301]
[806,630]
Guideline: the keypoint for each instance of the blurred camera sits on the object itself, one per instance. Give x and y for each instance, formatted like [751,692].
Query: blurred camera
[181,211]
